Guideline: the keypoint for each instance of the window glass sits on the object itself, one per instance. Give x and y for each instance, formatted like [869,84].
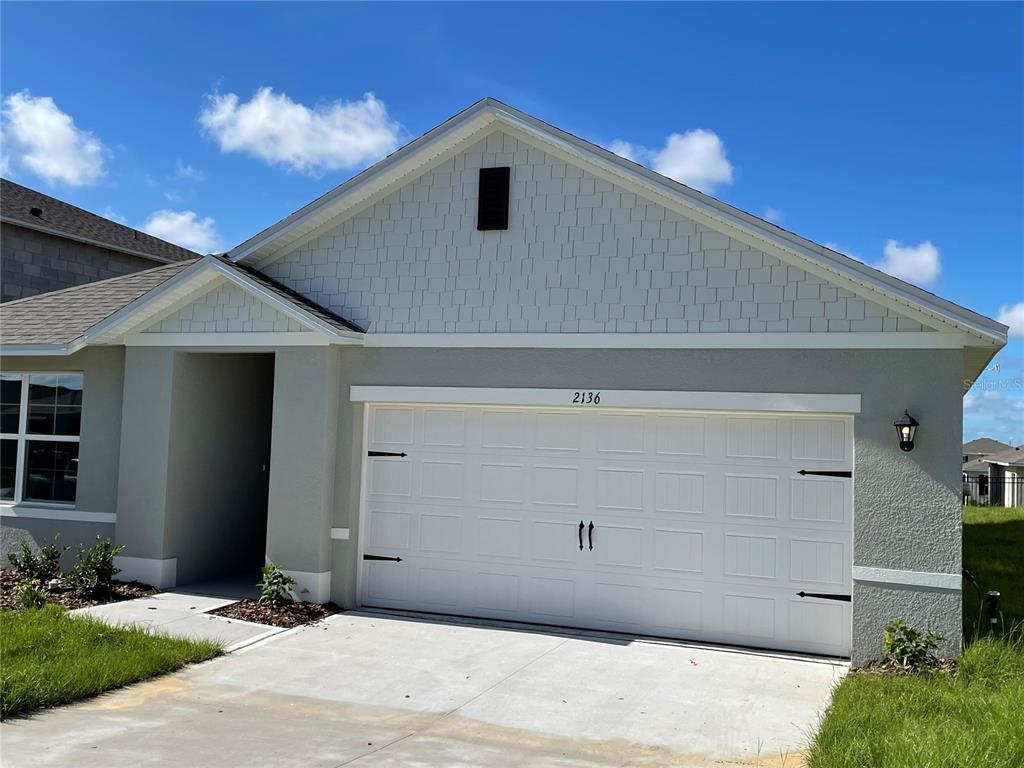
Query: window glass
[8,468]
[55,404]
[10,402]
[51,470]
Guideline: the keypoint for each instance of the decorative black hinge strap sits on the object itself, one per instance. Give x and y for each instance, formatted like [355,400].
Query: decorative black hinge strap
[384,453]
[821,596]
[827,472]
[382,557]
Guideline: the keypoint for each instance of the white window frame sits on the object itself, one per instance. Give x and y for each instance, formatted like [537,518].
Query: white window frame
[23,436]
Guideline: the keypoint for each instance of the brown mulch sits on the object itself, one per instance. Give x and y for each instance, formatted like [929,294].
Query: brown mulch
[123,590]
[946,666]
[285,615]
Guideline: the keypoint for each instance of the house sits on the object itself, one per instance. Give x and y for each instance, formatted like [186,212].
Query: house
[1006,477]
[48,245]
[506,373]
[975,471]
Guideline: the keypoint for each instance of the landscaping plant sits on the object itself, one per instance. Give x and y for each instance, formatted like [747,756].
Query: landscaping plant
[94,572]
[275,585]
[908,649]
[29,594]
[44,566]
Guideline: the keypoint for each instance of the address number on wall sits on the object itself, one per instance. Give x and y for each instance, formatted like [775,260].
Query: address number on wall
[586,398]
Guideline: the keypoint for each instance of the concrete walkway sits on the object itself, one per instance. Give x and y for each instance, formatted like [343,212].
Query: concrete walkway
[183,615]
[379,690]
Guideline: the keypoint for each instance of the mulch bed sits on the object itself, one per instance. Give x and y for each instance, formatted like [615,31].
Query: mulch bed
[123,590]
[285,615]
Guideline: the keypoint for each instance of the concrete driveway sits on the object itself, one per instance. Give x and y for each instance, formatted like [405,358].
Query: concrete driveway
[382,690]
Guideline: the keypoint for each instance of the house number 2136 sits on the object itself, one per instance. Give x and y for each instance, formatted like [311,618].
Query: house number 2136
[586,398]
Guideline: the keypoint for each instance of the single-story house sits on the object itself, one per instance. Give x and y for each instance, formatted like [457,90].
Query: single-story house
[977,488]
[1006,477]
[505,373]
[48,244]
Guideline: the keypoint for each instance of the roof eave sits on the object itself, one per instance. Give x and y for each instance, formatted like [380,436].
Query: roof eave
[88,241]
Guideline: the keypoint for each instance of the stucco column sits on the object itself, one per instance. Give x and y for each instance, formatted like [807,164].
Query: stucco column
[142,476]
[302,453]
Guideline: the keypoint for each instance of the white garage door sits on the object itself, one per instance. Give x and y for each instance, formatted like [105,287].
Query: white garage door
[692,525]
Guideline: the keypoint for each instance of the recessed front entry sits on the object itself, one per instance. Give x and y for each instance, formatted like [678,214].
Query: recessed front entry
[686,524]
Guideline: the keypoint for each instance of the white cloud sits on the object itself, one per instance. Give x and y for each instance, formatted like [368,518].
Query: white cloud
[40,138]
[1013,316]
[774,215]
[183,228]
[189,171]
[919,264]
[272,127]
[110,213]
[696,158]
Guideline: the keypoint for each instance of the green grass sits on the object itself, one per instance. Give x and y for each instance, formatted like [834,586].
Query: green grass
[970,718]
[994,553]
[48,657]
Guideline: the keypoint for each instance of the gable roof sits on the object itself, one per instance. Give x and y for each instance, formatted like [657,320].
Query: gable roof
[985,445]
[1011,456]
[60,319]
[61,322]
[488,115]
[66,220]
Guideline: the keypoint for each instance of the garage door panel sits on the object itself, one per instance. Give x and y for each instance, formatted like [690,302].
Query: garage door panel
[702,527]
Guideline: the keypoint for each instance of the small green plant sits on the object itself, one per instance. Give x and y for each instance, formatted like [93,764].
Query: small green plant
[275,585]
[908,649]
[44,566]
[94,572]
[29,594]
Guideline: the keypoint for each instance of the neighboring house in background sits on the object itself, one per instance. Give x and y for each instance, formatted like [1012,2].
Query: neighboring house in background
[506,373]
[47,244]
[975,471]
[1006,477]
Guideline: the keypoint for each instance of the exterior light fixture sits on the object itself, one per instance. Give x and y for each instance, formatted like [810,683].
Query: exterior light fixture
[906,426]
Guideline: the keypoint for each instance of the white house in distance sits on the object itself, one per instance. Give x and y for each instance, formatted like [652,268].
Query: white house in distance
[506,373]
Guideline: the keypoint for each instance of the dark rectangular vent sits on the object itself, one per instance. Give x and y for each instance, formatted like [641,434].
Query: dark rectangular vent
[492,208]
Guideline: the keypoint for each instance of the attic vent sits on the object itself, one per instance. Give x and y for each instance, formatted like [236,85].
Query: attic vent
[492,208]
[37,212]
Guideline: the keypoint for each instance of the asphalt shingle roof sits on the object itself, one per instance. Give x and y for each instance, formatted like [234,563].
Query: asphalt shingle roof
[60,218]
[61,317]
[985,445]
[1009,456]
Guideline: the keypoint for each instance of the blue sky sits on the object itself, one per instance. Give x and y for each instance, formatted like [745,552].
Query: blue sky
[893,132]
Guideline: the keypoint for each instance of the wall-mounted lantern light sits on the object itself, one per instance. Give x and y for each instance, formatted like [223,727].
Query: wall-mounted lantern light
[906,426]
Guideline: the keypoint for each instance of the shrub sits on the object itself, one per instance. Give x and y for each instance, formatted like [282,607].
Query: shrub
[275,585]
[29,594]
[44,566]
[909,649]
[94,572]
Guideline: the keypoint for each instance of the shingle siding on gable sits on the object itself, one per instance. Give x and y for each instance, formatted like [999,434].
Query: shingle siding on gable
[581,255]
[226,309]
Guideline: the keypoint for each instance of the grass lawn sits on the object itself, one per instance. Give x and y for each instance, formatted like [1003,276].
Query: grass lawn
[939,720]
[48,657]
[994,553]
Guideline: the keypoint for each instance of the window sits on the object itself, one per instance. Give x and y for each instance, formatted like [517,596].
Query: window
[40,422]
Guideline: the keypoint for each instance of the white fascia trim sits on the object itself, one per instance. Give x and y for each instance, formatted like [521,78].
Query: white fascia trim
[340,534]
[159,573]
[41,350]
[43,512]
[233,340]
[312,587]
[891,340]
[948,581]
[612,398]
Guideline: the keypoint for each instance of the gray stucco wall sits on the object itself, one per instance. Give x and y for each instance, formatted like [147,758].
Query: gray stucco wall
[906,505]
[35,262]
[218,464]
[41,532]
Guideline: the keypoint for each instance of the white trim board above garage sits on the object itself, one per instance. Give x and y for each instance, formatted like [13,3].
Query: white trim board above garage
[619,398]
[488,116]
